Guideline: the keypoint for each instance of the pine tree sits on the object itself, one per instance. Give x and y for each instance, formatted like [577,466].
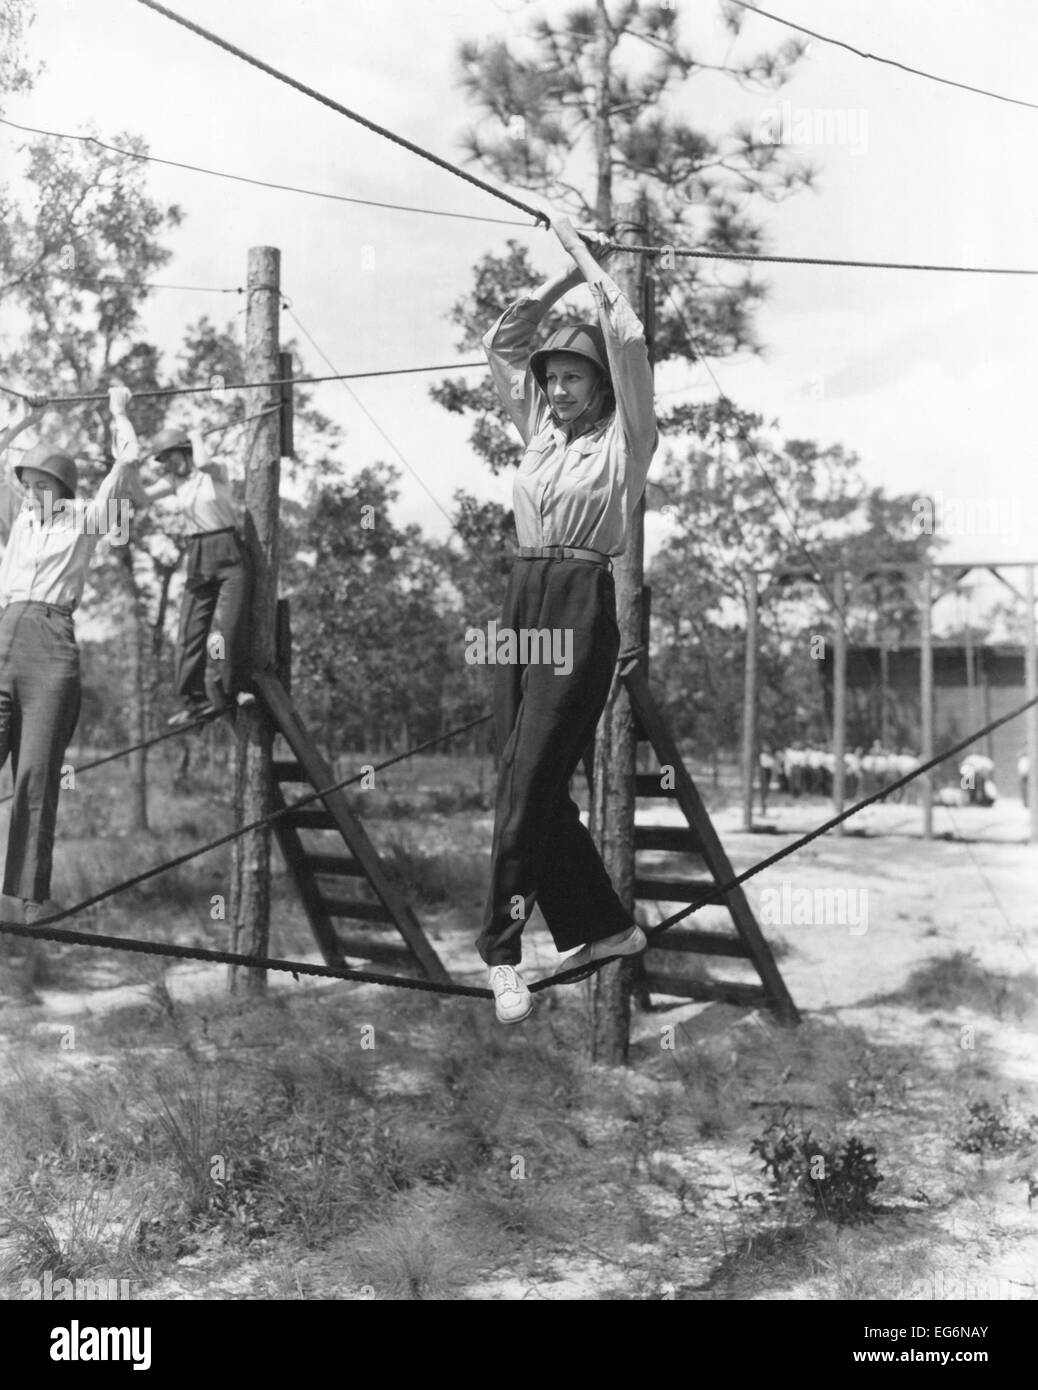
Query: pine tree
[589,112]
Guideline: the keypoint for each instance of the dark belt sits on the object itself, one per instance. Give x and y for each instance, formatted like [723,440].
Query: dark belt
[563,552]
[223,531]
[61,608]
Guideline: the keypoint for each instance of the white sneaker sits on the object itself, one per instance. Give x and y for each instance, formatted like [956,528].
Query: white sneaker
[628,943]
[512,1000]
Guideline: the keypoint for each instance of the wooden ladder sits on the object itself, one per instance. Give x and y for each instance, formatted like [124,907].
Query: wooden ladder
[699,838]
[353,886]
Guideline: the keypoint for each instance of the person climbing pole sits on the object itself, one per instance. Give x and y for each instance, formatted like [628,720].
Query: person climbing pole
[583,406]
[42,575]
[219,575]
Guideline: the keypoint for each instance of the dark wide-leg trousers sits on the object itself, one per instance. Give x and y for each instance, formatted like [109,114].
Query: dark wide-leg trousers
[542,853]
[219,584]
[39,706]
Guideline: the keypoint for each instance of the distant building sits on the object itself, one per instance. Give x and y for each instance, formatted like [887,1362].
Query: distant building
[972,686]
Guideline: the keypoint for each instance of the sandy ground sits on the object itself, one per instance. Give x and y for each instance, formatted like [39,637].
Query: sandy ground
[972,891]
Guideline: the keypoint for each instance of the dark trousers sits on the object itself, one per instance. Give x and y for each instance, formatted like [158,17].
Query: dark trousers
[39,706]
[219,584]
[541,852]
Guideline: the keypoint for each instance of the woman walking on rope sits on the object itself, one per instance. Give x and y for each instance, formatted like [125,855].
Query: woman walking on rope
[583,404]
[42,576]
[219,574]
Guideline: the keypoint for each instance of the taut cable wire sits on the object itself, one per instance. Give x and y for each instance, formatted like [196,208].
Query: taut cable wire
[333,105]
[250,385]
[135,747]
[46,930]
[701,254]
[833,821]
[261,183]
[889,62]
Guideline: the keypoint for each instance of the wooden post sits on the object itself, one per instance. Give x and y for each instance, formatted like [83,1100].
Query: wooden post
[613,798]
[283,644]
[926,696]
[884,686]
[749,706]
[250,906]
[839,739]
[985,712]
[1031,682]
[286,418]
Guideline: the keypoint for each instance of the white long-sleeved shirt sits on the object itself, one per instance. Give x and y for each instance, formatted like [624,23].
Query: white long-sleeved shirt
[581,491]
[47,557]
[205,500]
[204,497]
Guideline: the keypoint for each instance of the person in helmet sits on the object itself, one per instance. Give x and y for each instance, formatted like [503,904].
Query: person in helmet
[11,494]
[583,405]
[219,574]
[42,575]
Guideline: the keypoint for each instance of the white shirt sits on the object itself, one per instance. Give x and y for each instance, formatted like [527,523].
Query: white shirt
[205,500]
[582,491]
[47,557]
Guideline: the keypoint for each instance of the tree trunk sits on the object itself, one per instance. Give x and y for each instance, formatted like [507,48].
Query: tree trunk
[613,801]
[139,643]
[603,128]
[250,911]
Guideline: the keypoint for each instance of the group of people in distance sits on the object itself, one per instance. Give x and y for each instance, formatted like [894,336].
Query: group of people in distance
[808,769]
[582,403]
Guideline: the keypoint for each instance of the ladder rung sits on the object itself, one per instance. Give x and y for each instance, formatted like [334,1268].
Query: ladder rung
[673,890]
[287,770]
[311,818]
[385,952]
[701,943]
[332,888]
[680,839]
[339,865]
[362,911]
[648,784]
[726,990]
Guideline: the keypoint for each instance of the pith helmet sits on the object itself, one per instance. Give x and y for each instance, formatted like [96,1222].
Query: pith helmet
[582,339]
[170,439]
[45,458]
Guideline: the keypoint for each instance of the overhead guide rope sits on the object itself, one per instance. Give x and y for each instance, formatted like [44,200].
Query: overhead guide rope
[535,213]
[248,385]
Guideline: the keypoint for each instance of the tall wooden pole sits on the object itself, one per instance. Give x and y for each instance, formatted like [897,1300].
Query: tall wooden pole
[1031,678]
[884,686]
[926,696]
[616,746]
[839,739]
[250,904]
[749,706]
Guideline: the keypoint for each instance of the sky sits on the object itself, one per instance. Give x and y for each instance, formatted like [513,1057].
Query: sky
[926,377]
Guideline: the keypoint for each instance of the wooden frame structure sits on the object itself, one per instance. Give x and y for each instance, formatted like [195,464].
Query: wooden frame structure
[325,882]
[927,598]
[701,840]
